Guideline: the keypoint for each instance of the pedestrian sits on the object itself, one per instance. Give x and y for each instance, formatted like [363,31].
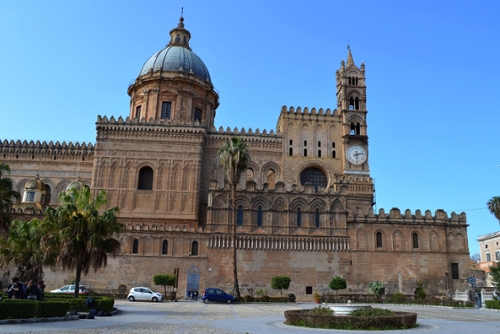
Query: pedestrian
[195,294]
[32,291]
[41,288]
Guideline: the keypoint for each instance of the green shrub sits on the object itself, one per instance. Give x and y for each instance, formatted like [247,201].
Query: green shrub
[48,309]
[248,299]
[280,283]
[321,310]
[398,298]
[261,292]
[493,304]
[337,283]
[371,312]
[420,291]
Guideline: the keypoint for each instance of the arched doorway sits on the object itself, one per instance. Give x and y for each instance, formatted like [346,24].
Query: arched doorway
[193,280]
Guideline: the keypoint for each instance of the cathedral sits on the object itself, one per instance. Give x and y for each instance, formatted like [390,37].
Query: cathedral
[304,207]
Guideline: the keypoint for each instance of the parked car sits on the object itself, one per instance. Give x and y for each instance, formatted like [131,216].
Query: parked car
[70,289]
[143,293]
[216,295]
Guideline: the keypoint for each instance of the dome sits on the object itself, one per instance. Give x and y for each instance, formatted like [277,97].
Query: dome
[176,59]
[78,185]
[34,184]
[177,56]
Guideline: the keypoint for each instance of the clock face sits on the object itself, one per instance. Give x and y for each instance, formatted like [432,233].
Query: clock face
[356,155]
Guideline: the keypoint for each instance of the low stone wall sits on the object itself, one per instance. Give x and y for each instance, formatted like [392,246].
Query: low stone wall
[303,318]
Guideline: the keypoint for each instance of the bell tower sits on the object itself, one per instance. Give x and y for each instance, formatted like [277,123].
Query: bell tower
[351,102]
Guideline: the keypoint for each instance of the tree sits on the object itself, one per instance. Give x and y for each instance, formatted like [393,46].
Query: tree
[164,280]
[81,236]
[22,249]
[377,288]
[495,276]
[234,158]
[280,283]
[338,283]
[494,206]
[7,195]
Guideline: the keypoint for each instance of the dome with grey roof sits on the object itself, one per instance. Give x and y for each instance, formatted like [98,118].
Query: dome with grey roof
[177,56]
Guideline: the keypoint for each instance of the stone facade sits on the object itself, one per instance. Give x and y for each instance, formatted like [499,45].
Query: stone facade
[304,206]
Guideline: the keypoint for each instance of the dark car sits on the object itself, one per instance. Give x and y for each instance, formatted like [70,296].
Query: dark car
[216,295]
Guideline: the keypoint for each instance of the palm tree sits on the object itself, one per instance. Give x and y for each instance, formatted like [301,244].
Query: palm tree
[81,237]
[7,194]
[22,249]
[234,158]
[494,206]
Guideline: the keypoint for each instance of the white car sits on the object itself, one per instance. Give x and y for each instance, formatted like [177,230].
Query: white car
[70,289]
[143,293]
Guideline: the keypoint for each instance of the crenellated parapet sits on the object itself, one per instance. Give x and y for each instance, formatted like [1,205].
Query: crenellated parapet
[394,216]
[253,139]
[146,128]
[306,114]
[31,149]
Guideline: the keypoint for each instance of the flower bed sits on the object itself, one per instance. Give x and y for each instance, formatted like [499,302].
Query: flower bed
[400,320]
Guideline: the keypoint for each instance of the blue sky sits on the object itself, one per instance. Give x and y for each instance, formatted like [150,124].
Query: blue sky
[432,72]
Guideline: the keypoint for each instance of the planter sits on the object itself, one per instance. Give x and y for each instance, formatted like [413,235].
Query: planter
[318,301]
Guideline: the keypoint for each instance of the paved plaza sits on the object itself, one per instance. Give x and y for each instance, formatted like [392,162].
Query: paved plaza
[194,317]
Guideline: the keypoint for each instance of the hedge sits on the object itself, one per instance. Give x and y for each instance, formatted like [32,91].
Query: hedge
[493,304]
[400,320]
[51,306]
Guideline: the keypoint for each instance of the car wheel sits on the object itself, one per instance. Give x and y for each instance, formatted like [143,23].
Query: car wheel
[229,301]
[154,299]
[131,298]
[206,301]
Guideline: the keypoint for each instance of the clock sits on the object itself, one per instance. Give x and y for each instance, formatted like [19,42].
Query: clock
[356,155]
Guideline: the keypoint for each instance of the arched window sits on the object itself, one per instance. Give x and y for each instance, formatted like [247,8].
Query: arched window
[135,246]
[194,248]
[239,215]
[145,178]
[316,218]
[356,103]
[319,153]
[164,247]
[305,152]
[315,176]
[138,112]
[358,128]
[379,239]
[271,179]
[415,239]
[178,39]
[351,103]
[299,217]
[259,216]
[319,144]
[197,114]
[48,194]
[333,154]
[290,151]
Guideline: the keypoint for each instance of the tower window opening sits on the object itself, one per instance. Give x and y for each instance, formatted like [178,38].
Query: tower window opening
[178,39]
[138,112]
[305,152]
[316,218]
[197,114]
[319,144]
[135,246]
[166,109]
[291,142]
[333,144]
[299,217]
[415,239]
[305,142]
[358,129]
[194,248]
[353,129]
[379,239]
[356,104]
[319,153]
[351,103]
[239,216]
[454,271]
[290,151]
[145,178]
[164,247]
[259,216]
[333,155]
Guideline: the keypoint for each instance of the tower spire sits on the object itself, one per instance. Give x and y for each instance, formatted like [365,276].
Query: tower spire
[350,61]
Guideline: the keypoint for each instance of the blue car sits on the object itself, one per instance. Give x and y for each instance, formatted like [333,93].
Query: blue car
[216,295]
